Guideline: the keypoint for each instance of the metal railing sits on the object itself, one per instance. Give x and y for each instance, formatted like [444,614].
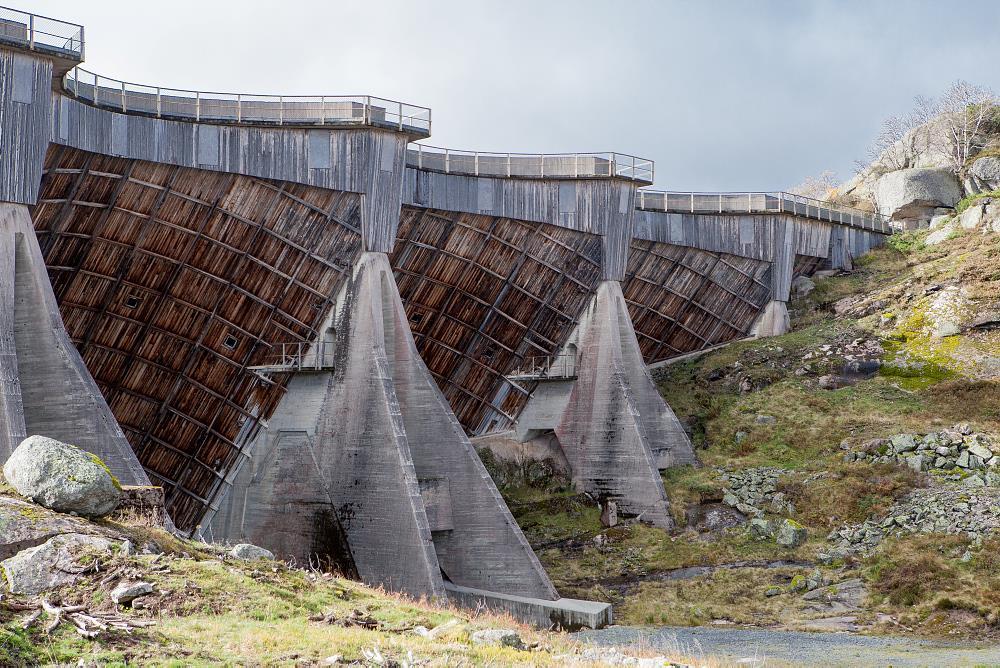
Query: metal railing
[243,108]
[41,33]
[548,366]
[760,202]
[529,165]
[298,356]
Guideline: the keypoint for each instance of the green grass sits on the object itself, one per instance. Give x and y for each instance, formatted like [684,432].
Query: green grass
[968,201]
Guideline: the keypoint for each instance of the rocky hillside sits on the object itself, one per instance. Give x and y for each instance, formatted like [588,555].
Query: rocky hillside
[850,468]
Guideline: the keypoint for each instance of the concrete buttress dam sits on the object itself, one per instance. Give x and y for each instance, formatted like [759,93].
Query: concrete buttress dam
[293,315]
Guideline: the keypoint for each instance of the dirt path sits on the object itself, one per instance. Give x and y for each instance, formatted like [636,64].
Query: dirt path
[759,648]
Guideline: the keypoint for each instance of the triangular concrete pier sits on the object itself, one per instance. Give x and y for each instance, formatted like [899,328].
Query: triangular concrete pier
[616,430]
[45,388]
[387,458]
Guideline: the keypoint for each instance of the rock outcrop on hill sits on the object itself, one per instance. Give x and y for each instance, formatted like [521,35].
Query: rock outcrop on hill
[916,194]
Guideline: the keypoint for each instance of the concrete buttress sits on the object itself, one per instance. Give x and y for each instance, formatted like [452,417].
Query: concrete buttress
[616,430]
[47,389]
[387,459]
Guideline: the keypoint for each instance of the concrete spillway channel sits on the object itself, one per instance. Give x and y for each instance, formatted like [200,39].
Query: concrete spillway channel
[292,317]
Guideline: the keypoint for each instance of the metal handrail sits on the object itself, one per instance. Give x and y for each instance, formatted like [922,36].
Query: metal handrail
[530,165]
[760,202]
[41,33]
[561,366]
[298,356]
[246,108]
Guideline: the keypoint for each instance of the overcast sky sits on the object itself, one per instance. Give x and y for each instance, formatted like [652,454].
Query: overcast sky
[722,95]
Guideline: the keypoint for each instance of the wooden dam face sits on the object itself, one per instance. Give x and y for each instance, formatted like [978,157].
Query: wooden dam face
[484,293]
[171,282]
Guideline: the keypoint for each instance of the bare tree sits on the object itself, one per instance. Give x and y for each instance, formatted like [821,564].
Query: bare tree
[966,110]
[817,187]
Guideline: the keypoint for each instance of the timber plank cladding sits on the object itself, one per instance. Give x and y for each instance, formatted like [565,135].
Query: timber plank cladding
[171,282]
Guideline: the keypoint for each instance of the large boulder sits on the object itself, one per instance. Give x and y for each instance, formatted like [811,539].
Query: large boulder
[983,175]
[913,194]
[62,477]
[57,562]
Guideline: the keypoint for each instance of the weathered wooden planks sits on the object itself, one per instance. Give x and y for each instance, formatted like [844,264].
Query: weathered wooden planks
[158,269]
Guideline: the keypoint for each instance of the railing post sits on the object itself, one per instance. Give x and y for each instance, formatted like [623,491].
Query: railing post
[124,106]
[281,110]
[368,109]
[642,199]
[31,31]
[508,165]
[420,156]
[197,106]
[541,164]
[749,202]
[239,108]
[692,202]
[720,202]
[576,165]
[400,116]
[159,102]
[76,82]
[447,162]
[475,159]
[322,110]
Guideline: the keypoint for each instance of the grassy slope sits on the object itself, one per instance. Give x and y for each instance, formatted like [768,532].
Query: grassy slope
[932,389]
[211,611]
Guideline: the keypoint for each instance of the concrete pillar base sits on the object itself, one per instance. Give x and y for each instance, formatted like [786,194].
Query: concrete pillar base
[367,462]
[616,430]
[773,321]
[45,388]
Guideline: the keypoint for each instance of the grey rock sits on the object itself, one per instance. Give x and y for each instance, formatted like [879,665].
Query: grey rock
[766,419]
[52,564]
[939,219]
[972,217]
[903,443]
[942,233]
[915,193]
[963,459]
[915,462]
[62,477]
[980,451]
[761,528]
[790,533]
[502,637]
[773,591]
[126,592]
[983,175]
[24,525]
[802,286]
[249,552]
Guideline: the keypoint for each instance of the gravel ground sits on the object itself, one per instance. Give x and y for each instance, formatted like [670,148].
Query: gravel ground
[758,648]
